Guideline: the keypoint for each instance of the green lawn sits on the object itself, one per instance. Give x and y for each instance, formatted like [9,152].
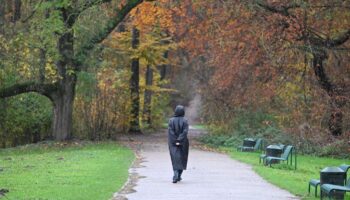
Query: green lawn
[285,176]
[56,171]
[195,126]
[199,126]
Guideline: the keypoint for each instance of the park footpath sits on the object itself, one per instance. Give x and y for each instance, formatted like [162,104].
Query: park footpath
[209,175]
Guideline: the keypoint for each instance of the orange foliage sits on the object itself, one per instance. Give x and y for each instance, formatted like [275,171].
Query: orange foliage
[151,14]
[258,59]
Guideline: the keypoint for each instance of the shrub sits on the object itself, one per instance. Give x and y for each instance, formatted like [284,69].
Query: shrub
[24,119]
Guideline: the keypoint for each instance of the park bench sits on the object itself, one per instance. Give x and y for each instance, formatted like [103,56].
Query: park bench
[315,182]
[268,152]
[257,146]
[330,189]
[287,155]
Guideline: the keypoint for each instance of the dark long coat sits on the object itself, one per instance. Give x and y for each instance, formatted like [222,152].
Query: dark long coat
[177,132]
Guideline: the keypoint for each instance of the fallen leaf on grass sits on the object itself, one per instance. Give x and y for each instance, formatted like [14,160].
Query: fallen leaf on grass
[3,191]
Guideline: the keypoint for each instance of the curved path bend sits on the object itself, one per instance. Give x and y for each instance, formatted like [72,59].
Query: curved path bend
[209,176]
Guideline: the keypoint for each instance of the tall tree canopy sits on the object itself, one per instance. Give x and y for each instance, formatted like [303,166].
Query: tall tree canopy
[289,59]
[58,36]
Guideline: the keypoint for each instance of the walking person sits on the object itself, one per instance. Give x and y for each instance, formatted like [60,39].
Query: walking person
[178,142]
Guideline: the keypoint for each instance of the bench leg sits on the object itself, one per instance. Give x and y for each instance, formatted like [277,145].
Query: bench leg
[315,189]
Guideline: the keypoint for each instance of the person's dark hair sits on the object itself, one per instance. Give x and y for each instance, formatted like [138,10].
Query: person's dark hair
[179,111]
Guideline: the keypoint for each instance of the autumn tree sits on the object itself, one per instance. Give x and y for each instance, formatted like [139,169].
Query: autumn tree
[259,57]
[314,28]
[73,45]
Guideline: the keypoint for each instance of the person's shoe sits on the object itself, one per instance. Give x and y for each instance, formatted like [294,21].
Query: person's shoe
[179,173]
[176,176]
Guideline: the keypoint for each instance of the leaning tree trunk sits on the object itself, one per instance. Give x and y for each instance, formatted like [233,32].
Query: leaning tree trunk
[335,122]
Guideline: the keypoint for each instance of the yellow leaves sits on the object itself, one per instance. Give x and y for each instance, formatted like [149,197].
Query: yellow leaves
[51,71]
[151,49]
[24,71]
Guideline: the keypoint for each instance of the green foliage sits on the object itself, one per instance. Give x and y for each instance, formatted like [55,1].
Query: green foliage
[220,140]
[31,51]
[64,171]
[24,119]
[86,85]
[159,105]
[246,124]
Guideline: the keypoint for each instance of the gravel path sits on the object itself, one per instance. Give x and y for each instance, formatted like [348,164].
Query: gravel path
[210,176]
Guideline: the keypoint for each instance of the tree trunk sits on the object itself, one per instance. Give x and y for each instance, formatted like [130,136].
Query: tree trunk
[3,109]
[148,97]
[17,10]
[335,123]
[63,99]
[134,86]
[42,64]
[63,110]
[163,68]
[2,18]
[337,102]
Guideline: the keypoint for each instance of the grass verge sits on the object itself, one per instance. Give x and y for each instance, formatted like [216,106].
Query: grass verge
[284,176]
[64,171]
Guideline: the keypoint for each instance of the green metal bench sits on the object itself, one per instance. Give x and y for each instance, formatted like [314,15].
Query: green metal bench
[257,146]
[315,183]
[262,157]
[287,155]
[330,189]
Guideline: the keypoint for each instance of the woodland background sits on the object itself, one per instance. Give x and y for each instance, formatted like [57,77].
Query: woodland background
[95,69]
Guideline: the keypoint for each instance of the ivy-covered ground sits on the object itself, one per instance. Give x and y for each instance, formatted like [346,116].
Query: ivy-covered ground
[64,170]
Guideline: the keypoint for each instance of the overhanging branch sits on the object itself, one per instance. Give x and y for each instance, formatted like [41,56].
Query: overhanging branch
[112,24]
[91,3]
[330,43]
[339,40]
[282,10]
[21,88]
[32,13]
